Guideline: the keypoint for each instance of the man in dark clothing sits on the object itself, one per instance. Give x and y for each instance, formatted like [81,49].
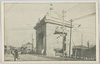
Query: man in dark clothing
[15,54]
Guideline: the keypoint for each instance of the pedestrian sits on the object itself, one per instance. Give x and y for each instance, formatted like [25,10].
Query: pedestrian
[12,52]
[65,53]
[42,52]
[16,55]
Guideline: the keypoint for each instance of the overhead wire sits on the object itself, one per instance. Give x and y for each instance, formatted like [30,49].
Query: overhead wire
[74,18]
[74,7]
[71,8]
[79,18]
[82,17]
[84,32]
[58,16]
[73,42]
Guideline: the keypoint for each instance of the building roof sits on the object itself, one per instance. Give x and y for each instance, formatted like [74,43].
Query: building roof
[80,47]
[92,47]
[51,17]
[28,43]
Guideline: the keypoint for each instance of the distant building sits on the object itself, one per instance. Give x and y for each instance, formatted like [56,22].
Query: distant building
[5,49]
[8,49]
[85,52]
[91,52]
[27,48]
[45,38]
[78,50]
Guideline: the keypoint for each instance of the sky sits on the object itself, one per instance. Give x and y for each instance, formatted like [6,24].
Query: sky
[20,19]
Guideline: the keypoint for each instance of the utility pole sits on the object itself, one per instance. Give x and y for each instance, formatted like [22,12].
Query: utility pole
[88,44]
[81,39]
[70,38]
[81,45]
[63,33]
[32,42]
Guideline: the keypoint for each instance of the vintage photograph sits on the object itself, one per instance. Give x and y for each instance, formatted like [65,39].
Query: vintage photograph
[50,31]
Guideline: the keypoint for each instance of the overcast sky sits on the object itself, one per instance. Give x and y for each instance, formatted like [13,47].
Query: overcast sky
[20,18]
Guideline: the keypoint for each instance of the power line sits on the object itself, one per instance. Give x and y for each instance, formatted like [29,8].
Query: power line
[57,14]
[74,18]
[85,16]
[20,29]
[84,32]
[84,27]
[75,6]
[73,42]
[72,8]
[59,19]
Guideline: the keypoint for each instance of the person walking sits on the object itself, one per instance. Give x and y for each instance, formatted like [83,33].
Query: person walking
[16,55]
[42,51]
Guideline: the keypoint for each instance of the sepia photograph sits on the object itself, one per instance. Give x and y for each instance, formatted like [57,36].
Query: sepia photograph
[50,31]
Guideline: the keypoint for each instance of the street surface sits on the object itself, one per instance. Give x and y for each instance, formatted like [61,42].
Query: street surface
[32,57]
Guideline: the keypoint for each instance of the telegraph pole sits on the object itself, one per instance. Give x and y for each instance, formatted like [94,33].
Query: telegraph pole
[64,35]
[81,45]
[81,39]
[70,38]
[32,42]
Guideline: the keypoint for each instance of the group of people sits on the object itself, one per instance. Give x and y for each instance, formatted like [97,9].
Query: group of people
[15,54]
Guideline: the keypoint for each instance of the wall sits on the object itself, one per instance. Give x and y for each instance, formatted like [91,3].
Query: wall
[52,41]
[40,38]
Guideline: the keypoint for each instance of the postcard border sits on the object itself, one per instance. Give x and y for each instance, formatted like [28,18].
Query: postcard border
[2,22]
